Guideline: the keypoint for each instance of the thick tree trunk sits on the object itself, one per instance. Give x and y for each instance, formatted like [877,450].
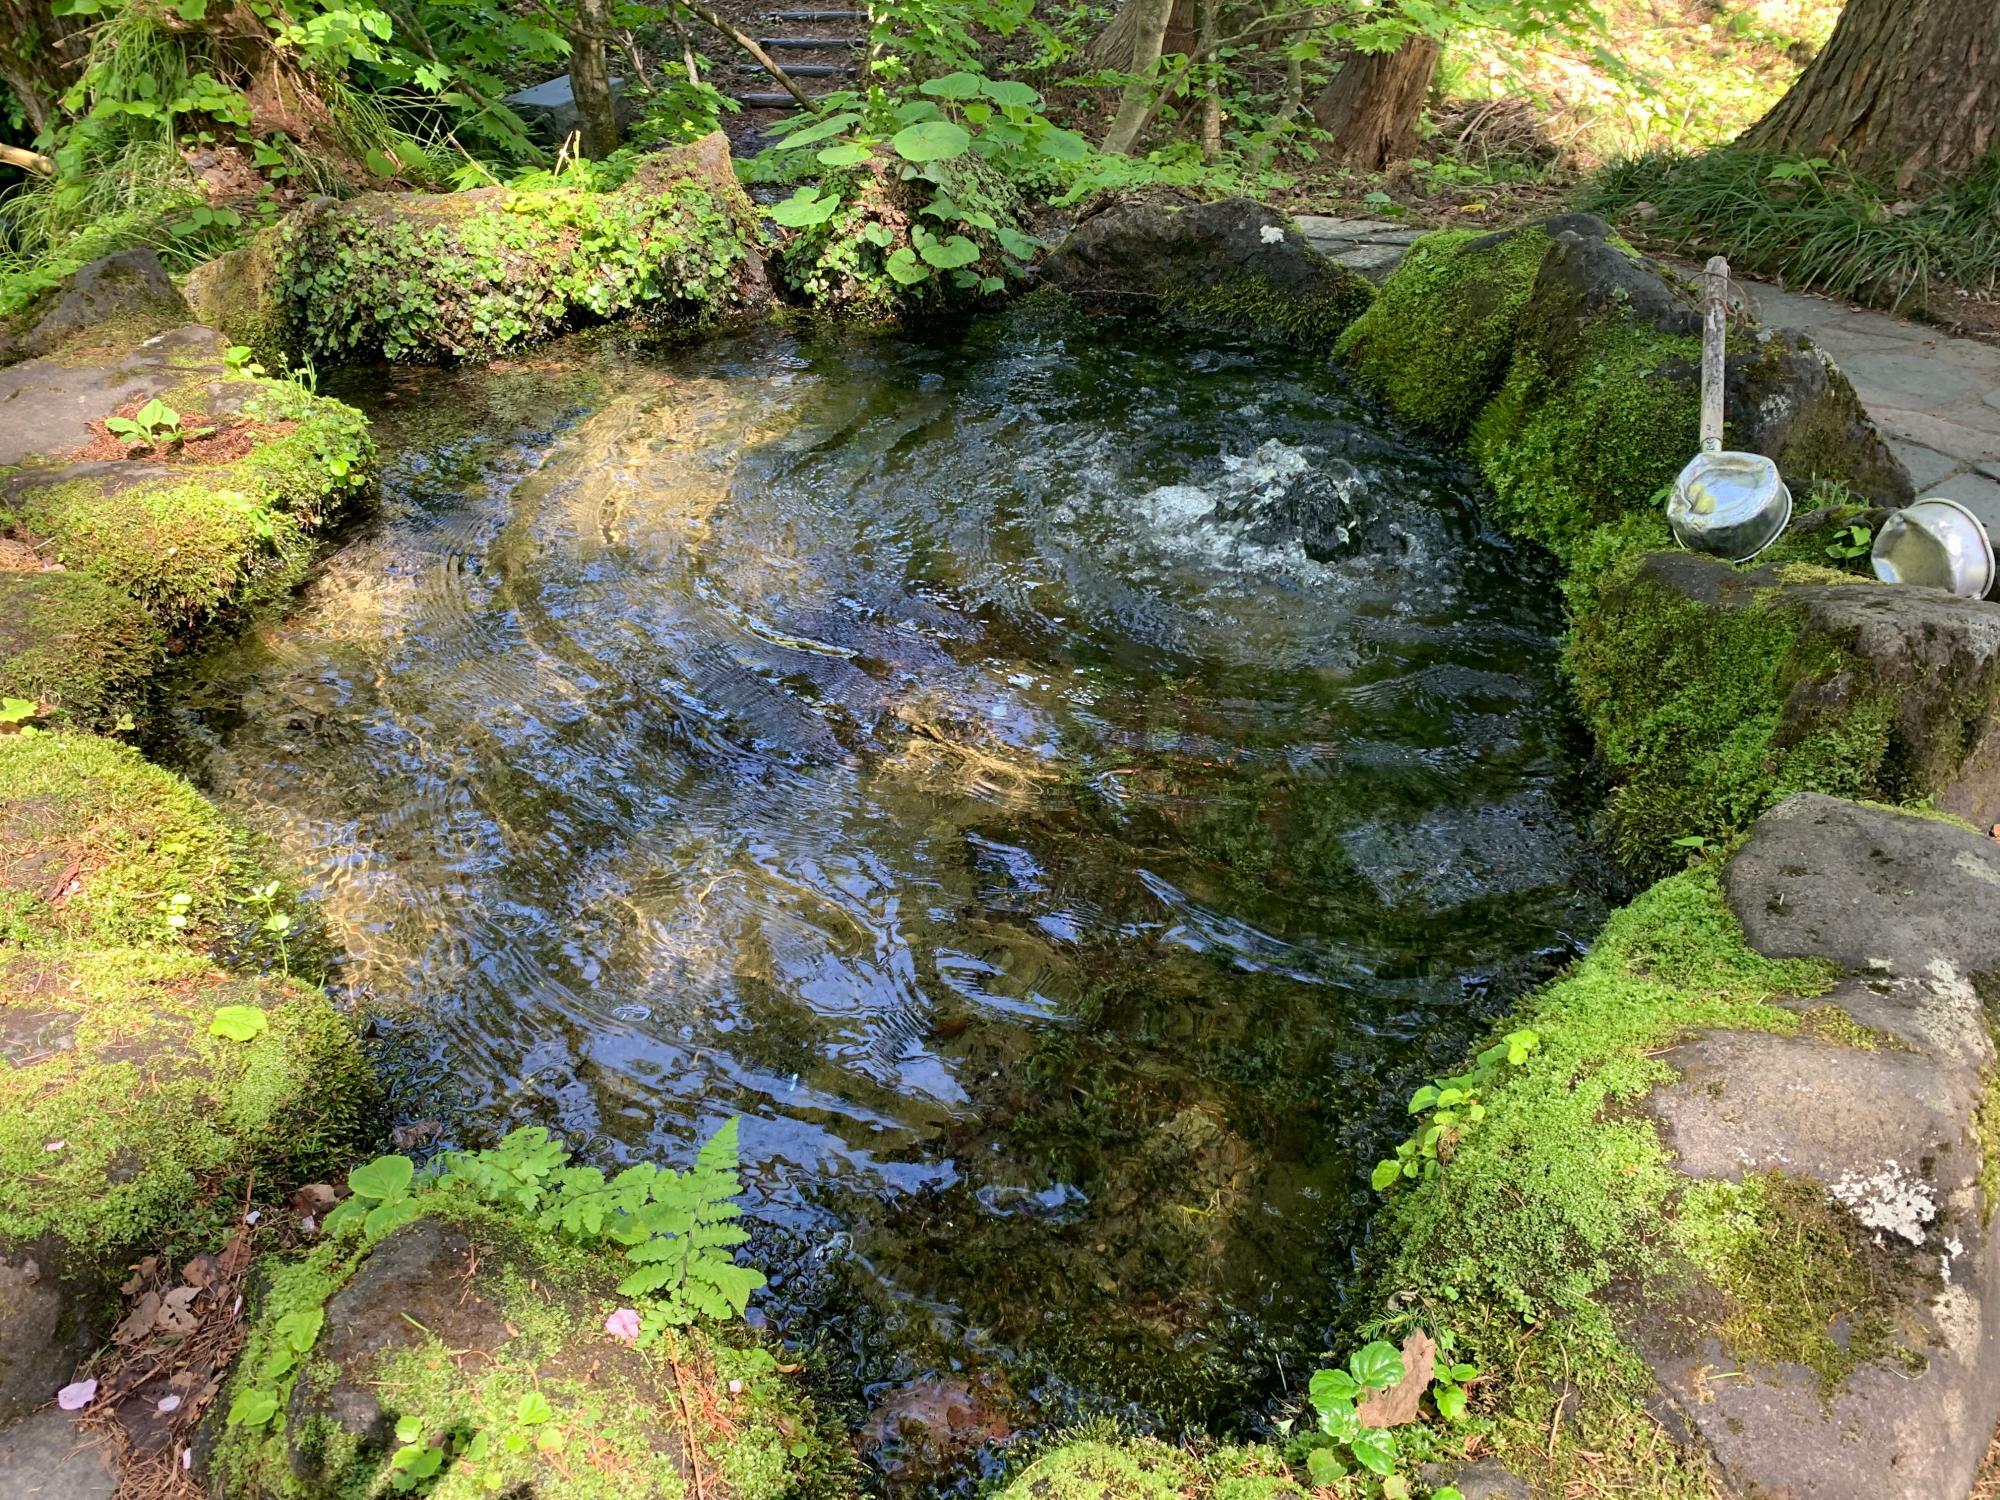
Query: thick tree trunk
[1136,107]
[39,53]
[590,79]
[1372,105]
[1906,91]
[1116,47]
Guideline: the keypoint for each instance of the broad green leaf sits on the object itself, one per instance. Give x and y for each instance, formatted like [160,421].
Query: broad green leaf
[832,125]
[1385,1175]
[386,1177]
[298,1330]
[904,267]
[1450,1402]
[240,1023]
[533,1409]
[1325,1467]
[385,1217]
[1377,1366]
[953,86]
[252,1408]
[1063,145]
[846,154]
[1328,1386]
[1374,1449]
[804,209]
[947,254]
[930,140]
[1010,91]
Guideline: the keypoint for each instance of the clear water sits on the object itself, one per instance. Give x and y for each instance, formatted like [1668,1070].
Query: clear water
[1060,786]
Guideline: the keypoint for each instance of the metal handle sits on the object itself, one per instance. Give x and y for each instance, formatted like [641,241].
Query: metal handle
[1714,348]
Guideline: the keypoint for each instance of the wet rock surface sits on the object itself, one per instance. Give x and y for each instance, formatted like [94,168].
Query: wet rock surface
[47,405]
[40,1338]
[1374,247]
[1234,263]
[1875,1105]
[49,1457]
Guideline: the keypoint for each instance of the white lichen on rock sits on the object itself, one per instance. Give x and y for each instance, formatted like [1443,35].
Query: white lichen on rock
[1889,1199]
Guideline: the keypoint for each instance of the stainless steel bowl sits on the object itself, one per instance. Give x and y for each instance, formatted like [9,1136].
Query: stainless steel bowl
[1937,544]
[1730,505]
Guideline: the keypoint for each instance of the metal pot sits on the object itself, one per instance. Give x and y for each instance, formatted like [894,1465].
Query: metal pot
[1937,544]
[1732,505]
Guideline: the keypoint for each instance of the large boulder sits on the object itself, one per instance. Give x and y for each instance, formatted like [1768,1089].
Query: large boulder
[1713,692]
[109,304]
[1856,1153]
[1234,265]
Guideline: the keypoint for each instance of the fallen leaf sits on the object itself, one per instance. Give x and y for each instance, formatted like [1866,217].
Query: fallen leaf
[202,1271]
[236,1255]
[139,1321]
[177,1314]
[145,1274]
[314,1198]
[1397,1405]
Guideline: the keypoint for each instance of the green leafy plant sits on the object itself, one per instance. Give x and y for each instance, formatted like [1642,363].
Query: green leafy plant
[276,923]
[17,715]
[154,425]
[1451,1106]
[239,1023]
[1851,541]
[1334,1394]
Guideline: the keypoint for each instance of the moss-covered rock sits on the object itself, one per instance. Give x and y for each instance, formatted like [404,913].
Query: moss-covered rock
[238,294]
[119,1101]
[1436,343]
[97,846]
[1141,1469]
[444,276]
[191,538]
[104,307]
[1235,266]
[468,1335]
[75,643]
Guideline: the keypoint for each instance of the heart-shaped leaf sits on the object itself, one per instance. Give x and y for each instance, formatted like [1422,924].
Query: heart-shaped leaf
[239,1023]
[930,140]
[385,1178]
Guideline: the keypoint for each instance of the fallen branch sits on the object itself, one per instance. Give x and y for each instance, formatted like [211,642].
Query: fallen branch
[702,13]
[28,161]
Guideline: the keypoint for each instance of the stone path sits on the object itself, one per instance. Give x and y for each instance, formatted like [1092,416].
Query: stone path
[1936,398]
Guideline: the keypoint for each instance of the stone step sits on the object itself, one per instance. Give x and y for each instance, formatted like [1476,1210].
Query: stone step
[766,101]
[815,15]
[805,43]
[804,70]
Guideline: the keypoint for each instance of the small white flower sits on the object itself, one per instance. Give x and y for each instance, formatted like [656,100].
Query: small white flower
[167,1404]
[1271,234]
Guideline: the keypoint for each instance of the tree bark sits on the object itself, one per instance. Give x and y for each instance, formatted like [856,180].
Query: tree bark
[1371,106]
[1136,107]
[590,79]
[1116,47]
[39,54]
[1906,91]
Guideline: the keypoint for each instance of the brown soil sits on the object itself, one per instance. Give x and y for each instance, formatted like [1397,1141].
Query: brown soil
[220,445]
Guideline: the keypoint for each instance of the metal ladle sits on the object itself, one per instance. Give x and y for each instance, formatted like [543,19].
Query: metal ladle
[1730,504]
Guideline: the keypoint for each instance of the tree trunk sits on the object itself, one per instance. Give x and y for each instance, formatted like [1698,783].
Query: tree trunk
[39,53]
[1149,29]
[1371,106]
[1116,47]
[590,79]
[1906,90]
[1211,83]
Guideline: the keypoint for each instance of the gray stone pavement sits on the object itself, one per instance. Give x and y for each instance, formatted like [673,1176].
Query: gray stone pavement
[1936,398]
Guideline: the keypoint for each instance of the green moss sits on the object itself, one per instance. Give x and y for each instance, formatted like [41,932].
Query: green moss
[1708,714]
[1559,1193]
[1802,1281]
[1986,1121]
[1101,1468]
[619,1422]
[200,539]
[237,294]
[94,841]
[77,643]
[1832,1024]
[118,1105]
[469,273]
[1249,304]
[1437,340]
[1579,437]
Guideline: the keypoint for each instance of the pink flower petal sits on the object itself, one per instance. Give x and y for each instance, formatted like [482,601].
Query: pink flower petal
[624,1325]
[77,1396]
[168,1403]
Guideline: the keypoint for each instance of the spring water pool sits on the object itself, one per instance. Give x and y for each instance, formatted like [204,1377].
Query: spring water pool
[1062,785]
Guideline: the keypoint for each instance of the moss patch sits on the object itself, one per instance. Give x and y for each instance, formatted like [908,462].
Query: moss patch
[117,1103]
[490,1348]
[1093,1468]
[1562,1190]
[95,843]
[1707,714]
[1437,340]
[237,294]
[81,645]
[1250,304]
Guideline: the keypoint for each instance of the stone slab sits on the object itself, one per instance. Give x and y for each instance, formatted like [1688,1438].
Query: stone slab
[1869,889]
[1926,465]
[48,1457]
[47,405]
